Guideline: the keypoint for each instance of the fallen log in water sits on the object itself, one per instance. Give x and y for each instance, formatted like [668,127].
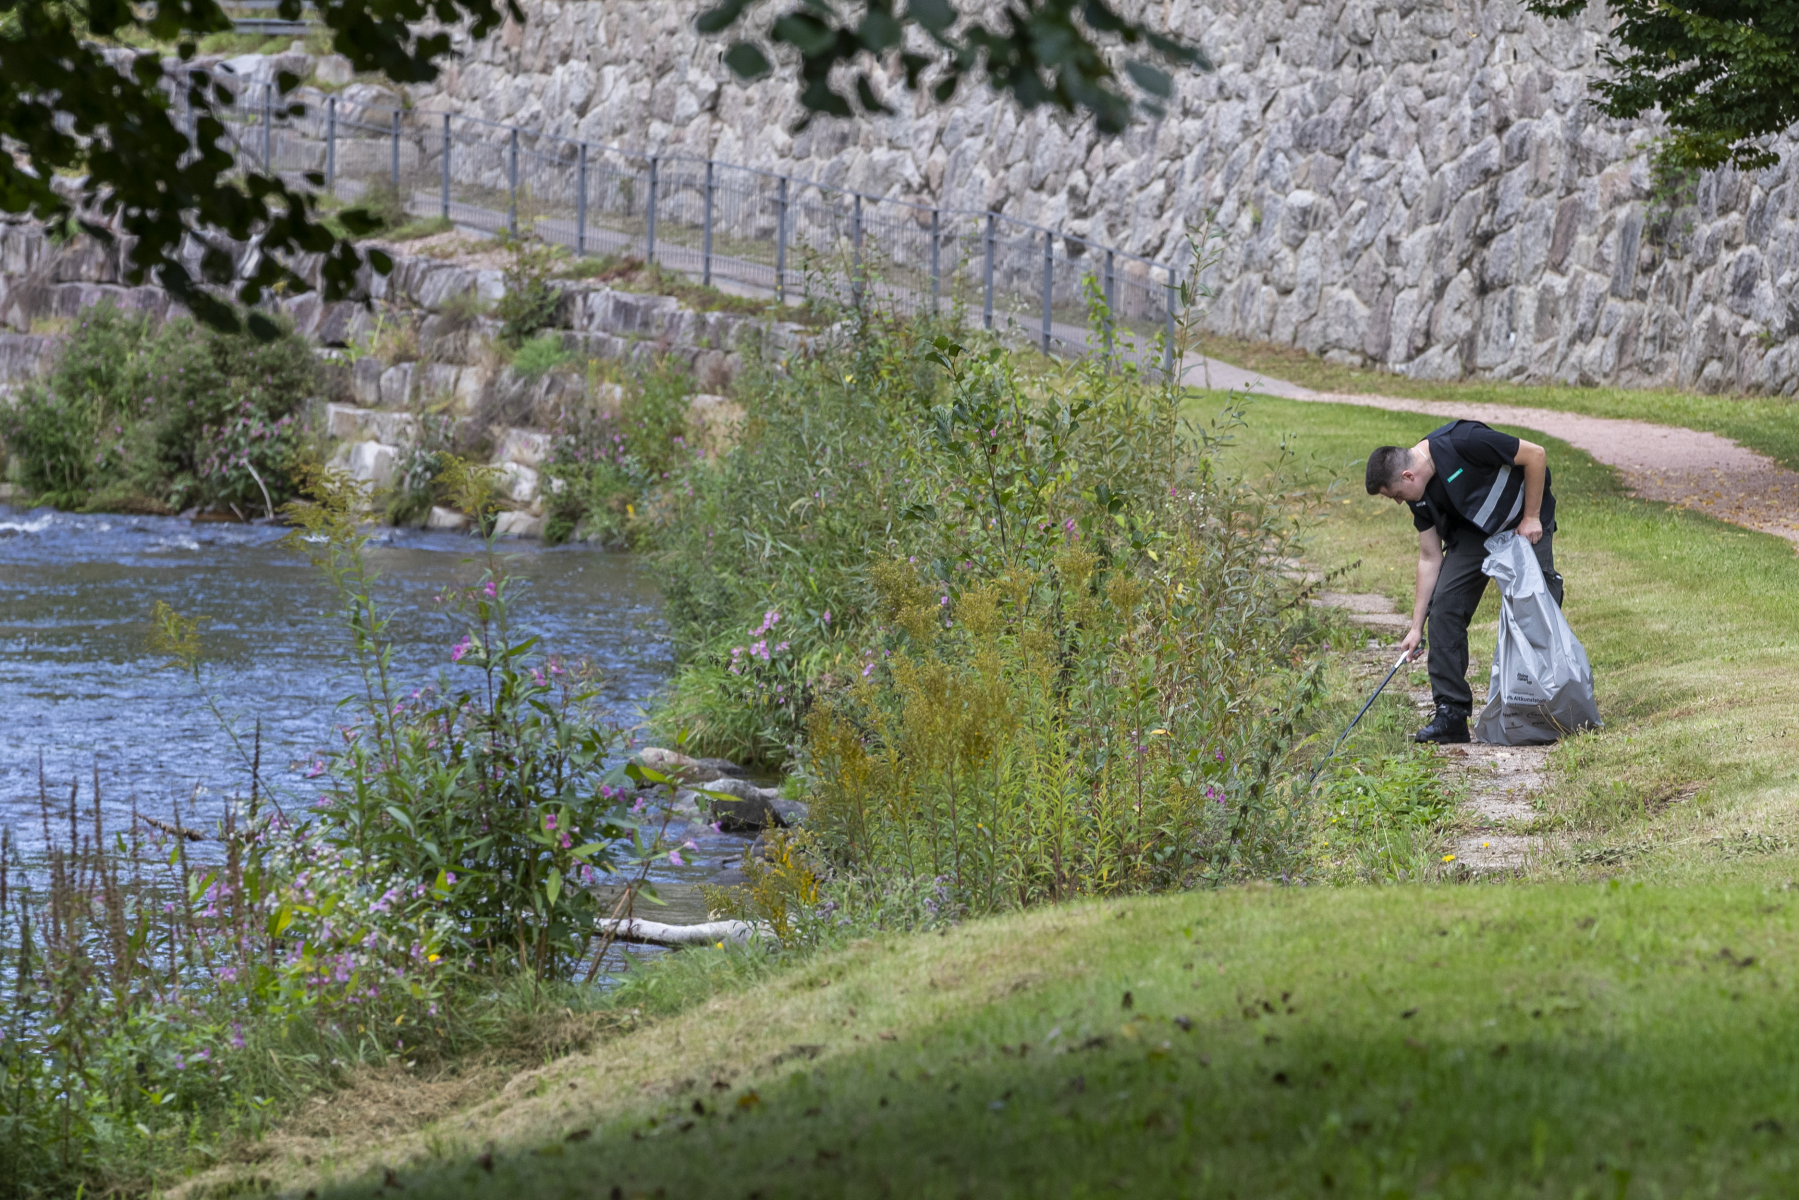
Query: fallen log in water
[655,933]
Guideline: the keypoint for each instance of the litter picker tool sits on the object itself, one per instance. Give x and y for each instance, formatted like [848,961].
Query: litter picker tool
[1337,745]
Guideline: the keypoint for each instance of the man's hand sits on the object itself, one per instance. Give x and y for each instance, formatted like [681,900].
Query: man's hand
[1531,530]
[1409,645]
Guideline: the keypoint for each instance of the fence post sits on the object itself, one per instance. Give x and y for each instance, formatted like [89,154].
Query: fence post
[512,183]
[1168,328]
[781,242]
[580,199]
[445,206]
[330,144]
[649,253]
[396,157]
[1111,282]
[987,304]
[706,235]
[268,127]
[936,246]
[1049,281]
[856,251]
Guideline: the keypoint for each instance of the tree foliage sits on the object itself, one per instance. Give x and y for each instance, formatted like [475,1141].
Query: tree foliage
[1726,73]
[1039,51]
[115,139]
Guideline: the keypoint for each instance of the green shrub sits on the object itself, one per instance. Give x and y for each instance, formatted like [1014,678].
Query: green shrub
[529,304]
[539,356]
[1083,677]
[421,480]
[70,432]
[182,415]
[788,521]
[491,792]
[1024,639]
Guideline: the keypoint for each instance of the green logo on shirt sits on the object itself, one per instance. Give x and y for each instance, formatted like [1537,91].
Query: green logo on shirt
[1458,471]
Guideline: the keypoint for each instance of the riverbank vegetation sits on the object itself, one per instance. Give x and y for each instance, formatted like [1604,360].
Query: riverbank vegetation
[1021,638]
[137,417]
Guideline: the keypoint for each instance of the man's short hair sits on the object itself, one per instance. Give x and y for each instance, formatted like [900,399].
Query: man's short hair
[1384,466]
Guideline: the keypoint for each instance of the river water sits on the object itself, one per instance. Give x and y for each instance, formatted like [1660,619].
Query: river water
[80,689]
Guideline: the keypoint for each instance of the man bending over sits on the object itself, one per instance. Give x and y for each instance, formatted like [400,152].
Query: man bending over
[1464,483]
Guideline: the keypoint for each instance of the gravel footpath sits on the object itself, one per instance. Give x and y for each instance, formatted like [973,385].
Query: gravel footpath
[1701,471]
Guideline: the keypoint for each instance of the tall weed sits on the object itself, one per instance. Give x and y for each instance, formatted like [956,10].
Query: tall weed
[617,451]
[779,532]
[1024,638]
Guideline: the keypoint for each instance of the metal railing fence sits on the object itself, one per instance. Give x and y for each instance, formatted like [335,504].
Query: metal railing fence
[745,229]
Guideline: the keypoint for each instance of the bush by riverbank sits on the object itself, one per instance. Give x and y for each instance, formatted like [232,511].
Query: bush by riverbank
[140,418]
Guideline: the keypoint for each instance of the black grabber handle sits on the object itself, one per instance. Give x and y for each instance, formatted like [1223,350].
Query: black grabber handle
[1325,761]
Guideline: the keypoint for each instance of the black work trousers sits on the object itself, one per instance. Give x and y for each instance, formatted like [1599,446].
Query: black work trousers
[1460,586]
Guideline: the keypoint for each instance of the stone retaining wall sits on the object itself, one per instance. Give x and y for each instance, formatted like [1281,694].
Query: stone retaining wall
[448,365]
[1422,184]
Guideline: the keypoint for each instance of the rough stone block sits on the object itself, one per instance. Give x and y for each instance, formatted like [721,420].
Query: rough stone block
[517,482]
[523,447]
[519,525]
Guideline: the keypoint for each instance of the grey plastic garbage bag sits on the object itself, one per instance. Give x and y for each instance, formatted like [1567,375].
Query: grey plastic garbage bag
[1542,685]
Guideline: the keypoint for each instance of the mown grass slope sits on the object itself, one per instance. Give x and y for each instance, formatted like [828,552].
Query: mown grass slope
[1597,1039]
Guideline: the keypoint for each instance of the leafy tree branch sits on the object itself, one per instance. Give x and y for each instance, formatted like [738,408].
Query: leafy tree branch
[115,138]
[1037,51]
[1726,73]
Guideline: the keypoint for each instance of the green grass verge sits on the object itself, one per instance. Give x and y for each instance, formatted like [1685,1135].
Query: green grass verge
[1597,1040]
[1769,424]
[1692,626]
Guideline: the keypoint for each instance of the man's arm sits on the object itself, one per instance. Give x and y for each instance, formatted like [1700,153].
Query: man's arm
[1430,565]
[1535,461]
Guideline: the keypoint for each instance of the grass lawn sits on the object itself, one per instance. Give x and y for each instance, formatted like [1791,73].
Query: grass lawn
[1597,1040]
[1769,424]
[1618,1026]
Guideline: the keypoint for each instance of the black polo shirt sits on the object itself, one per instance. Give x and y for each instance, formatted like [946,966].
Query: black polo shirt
[1480,449]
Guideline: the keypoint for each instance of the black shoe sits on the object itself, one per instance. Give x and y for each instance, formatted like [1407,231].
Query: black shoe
[1446,728]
